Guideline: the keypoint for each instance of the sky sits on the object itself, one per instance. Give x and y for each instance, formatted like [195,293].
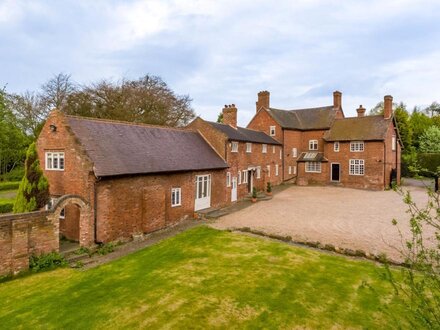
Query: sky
[223,52]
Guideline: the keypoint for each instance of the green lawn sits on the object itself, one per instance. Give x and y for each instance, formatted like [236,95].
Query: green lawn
[7,199]
[204,278]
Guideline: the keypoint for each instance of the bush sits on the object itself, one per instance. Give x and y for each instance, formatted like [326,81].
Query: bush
[15,175]
[6,206]
[9,185]
[254,192]
[269,187]
[47,261]
[429,162]
[105,249]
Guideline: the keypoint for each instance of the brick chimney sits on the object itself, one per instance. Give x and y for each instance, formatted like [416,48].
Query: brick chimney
[230,115]
[387,106]
[337,100]
[263,100]
[361,111]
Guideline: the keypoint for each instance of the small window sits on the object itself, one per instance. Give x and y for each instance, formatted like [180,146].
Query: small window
[258,172]
[239,177]
[336,146]
[313,144]
[276,169]
[234,146]
[63,214]
[245,177]
[273,149]
[176,199]
[272,131]
[290,170]
[268,171]
[294,152]
[313,167]
[248,147]
[357,146]
[357,167]
[55,161]
[294,170]
[281,154]
[228,179]
[393,143]
[264,148]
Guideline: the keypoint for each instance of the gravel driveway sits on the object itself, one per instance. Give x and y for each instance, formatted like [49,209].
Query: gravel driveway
[347,218]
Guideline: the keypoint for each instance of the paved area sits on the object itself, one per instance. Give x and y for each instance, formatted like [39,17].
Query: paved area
[346,218]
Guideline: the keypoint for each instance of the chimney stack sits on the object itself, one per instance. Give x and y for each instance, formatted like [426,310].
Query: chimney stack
[337,100]
[230,115]
[263,100]
[361,111]
[387,106]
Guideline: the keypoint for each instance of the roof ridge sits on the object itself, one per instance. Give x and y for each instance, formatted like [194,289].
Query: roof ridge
[303,109]
[128,123]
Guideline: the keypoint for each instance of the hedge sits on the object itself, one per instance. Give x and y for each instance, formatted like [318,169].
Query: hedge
[6,207]
[9,185]
[430,162]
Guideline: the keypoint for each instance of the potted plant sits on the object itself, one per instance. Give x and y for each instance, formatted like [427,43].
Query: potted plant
[269,189]
[254,195]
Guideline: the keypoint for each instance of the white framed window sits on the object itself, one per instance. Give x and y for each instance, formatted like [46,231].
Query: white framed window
[273,149]
[63,214]
[264,148]
[228,179]
[248,147]
[268,171]
[258,172]
[276,169]
[313,167]
[281,154]
[234,146]
[393,143]
[357,167]
[239,177]
[336,146]
[313,144]
[245,177]
[294,152]
[290,169]
[272,130]
[294,170]
[357,146]
[176,197]
[55,161]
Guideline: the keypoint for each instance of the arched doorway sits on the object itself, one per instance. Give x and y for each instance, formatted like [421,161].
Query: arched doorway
[73,215]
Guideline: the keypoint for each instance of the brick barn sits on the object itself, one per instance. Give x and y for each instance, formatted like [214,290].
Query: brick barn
[254,158]
[136,178]
[322,146]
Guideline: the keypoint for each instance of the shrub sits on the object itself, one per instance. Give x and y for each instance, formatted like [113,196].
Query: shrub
[9,185]
[46,261]
[6,206]
[105,249]
[15,175]
[33,192]
[254,192]
[269,187]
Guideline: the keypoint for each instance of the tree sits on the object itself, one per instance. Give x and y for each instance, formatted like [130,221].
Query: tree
[430,140]
[33,193]
[433,109]
[56,91]
[145,100]
[377,110]
[220,117]
[403,123]
[419,124]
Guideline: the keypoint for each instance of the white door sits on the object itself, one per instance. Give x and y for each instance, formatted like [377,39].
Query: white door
[203,192]
[234,189]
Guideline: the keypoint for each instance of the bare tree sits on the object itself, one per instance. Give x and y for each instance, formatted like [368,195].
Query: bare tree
[55,91]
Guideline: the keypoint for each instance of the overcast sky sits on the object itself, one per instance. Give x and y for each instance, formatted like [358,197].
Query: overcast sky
[223,52]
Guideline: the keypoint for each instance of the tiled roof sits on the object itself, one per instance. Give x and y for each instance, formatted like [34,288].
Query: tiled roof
[119,148]
[304,119]
[312,156]
[244,134]
[358,128]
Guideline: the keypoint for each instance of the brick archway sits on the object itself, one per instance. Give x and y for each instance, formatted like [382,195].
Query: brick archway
[86,226]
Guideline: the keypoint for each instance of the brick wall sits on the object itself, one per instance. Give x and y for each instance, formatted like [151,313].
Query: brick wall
[142,204]
[22,235]
[214,137]
[262,122]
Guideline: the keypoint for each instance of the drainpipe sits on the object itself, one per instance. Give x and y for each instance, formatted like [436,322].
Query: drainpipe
[282,159]
[384,165]
[95,209]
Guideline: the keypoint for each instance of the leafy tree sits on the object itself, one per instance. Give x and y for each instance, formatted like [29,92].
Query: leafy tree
[220,117]
[377,110]
[145,100]
[433,109]
[33,192]
[419,124]
[403,122]
[430,140]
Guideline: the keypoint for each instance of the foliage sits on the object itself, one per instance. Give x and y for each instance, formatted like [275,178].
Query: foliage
[433,109]
[16,174]
[402,118]
[38,263]
[254,192]
[220,117]
[208,283]
[428,164]
[377,110]
[418,285]
[409,163]
[419,123]
[56,91]
[9,185]
[33,192]
[6,206]
[269,187]
[104,249]
[430,140]
[145,100]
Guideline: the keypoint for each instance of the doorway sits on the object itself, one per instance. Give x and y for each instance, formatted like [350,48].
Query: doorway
[203,192]
[234,189]
[335,172]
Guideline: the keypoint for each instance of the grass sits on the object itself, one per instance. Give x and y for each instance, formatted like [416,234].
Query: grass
[205,278]
[7,199]
[9,185]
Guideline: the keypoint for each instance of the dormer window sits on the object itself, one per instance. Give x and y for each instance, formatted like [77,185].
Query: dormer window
[234,146]
[313,144]
[272,130]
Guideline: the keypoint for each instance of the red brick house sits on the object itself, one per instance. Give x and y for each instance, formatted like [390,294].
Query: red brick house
[321,146]
[254,158]
[136,178]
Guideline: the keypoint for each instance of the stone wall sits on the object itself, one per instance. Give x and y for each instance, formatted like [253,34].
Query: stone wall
[22,235]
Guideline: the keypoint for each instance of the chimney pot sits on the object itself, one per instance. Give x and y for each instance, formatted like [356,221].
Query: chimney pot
[361,111]
[230,115]
[337,100]
[263,100]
